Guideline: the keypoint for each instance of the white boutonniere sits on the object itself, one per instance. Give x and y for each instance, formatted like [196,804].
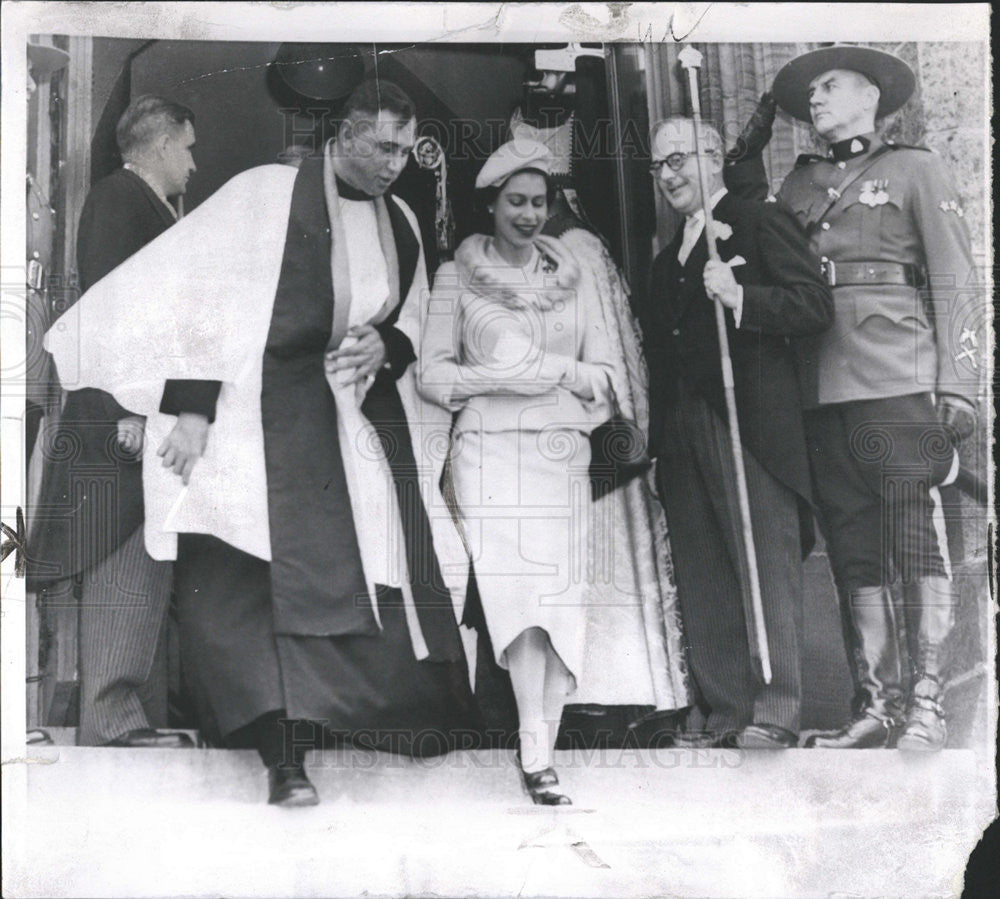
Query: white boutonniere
[736,260]
[721,231]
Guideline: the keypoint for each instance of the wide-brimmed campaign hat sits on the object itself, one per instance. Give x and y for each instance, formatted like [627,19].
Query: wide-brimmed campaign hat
[45,60]
[513,156]
[895,79]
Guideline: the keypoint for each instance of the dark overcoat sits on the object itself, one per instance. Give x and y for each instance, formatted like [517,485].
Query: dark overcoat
[784,298]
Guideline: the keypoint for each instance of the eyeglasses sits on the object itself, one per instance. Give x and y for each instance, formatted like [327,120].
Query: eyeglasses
[675,162]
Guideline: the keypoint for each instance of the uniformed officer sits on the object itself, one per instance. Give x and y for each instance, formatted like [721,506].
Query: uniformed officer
[889,388]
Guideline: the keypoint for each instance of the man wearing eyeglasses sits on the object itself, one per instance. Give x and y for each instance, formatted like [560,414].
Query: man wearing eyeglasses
[772,289]
[311,539]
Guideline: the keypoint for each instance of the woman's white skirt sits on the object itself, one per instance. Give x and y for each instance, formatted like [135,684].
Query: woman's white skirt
[525,506]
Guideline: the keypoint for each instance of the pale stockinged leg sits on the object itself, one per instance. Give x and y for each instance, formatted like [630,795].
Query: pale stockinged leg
[540,682]
[526,660]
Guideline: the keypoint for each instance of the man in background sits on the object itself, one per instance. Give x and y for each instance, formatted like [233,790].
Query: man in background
[90,513]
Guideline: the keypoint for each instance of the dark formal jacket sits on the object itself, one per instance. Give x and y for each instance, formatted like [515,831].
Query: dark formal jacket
[784,297]
[121,215]
[91,498]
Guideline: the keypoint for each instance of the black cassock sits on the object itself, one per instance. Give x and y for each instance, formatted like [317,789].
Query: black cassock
[299,633]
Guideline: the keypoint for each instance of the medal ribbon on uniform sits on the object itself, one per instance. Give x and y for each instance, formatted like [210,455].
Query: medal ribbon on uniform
[836,193]
[873,193]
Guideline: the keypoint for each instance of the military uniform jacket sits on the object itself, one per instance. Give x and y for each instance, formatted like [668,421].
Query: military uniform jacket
[888,339]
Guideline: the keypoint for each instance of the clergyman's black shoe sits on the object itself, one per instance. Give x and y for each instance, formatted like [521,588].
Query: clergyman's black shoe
[767,736]
[290,787]
[147,738]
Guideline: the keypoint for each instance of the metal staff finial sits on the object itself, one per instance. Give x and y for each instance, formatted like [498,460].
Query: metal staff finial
[690,58]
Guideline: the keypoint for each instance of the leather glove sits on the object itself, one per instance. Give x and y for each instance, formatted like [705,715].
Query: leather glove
[757,132]
[958,416]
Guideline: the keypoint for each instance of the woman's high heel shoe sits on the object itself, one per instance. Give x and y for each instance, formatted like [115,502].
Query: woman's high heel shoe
[537,784]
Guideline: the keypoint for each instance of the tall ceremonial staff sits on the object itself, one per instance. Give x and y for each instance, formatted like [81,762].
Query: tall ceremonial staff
[690,60]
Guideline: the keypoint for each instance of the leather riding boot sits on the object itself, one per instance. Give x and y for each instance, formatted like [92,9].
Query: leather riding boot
[855,660]
[874,623]
[931,616]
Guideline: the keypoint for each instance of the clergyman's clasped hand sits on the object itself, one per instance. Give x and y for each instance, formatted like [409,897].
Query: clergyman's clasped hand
[365,353]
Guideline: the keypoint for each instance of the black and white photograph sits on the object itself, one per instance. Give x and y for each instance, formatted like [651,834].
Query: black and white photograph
[471,449]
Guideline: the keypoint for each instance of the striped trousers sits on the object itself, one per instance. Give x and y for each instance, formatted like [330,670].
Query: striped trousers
[697,483]
[123,608]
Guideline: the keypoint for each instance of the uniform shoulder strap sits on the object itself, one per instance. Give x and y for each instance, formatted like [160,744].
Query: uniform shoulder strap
[838,192]
[893,145]
[808,159]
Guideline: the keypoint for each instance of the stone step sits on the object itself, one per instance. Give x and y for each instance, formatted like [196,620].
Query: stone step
[645,822]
